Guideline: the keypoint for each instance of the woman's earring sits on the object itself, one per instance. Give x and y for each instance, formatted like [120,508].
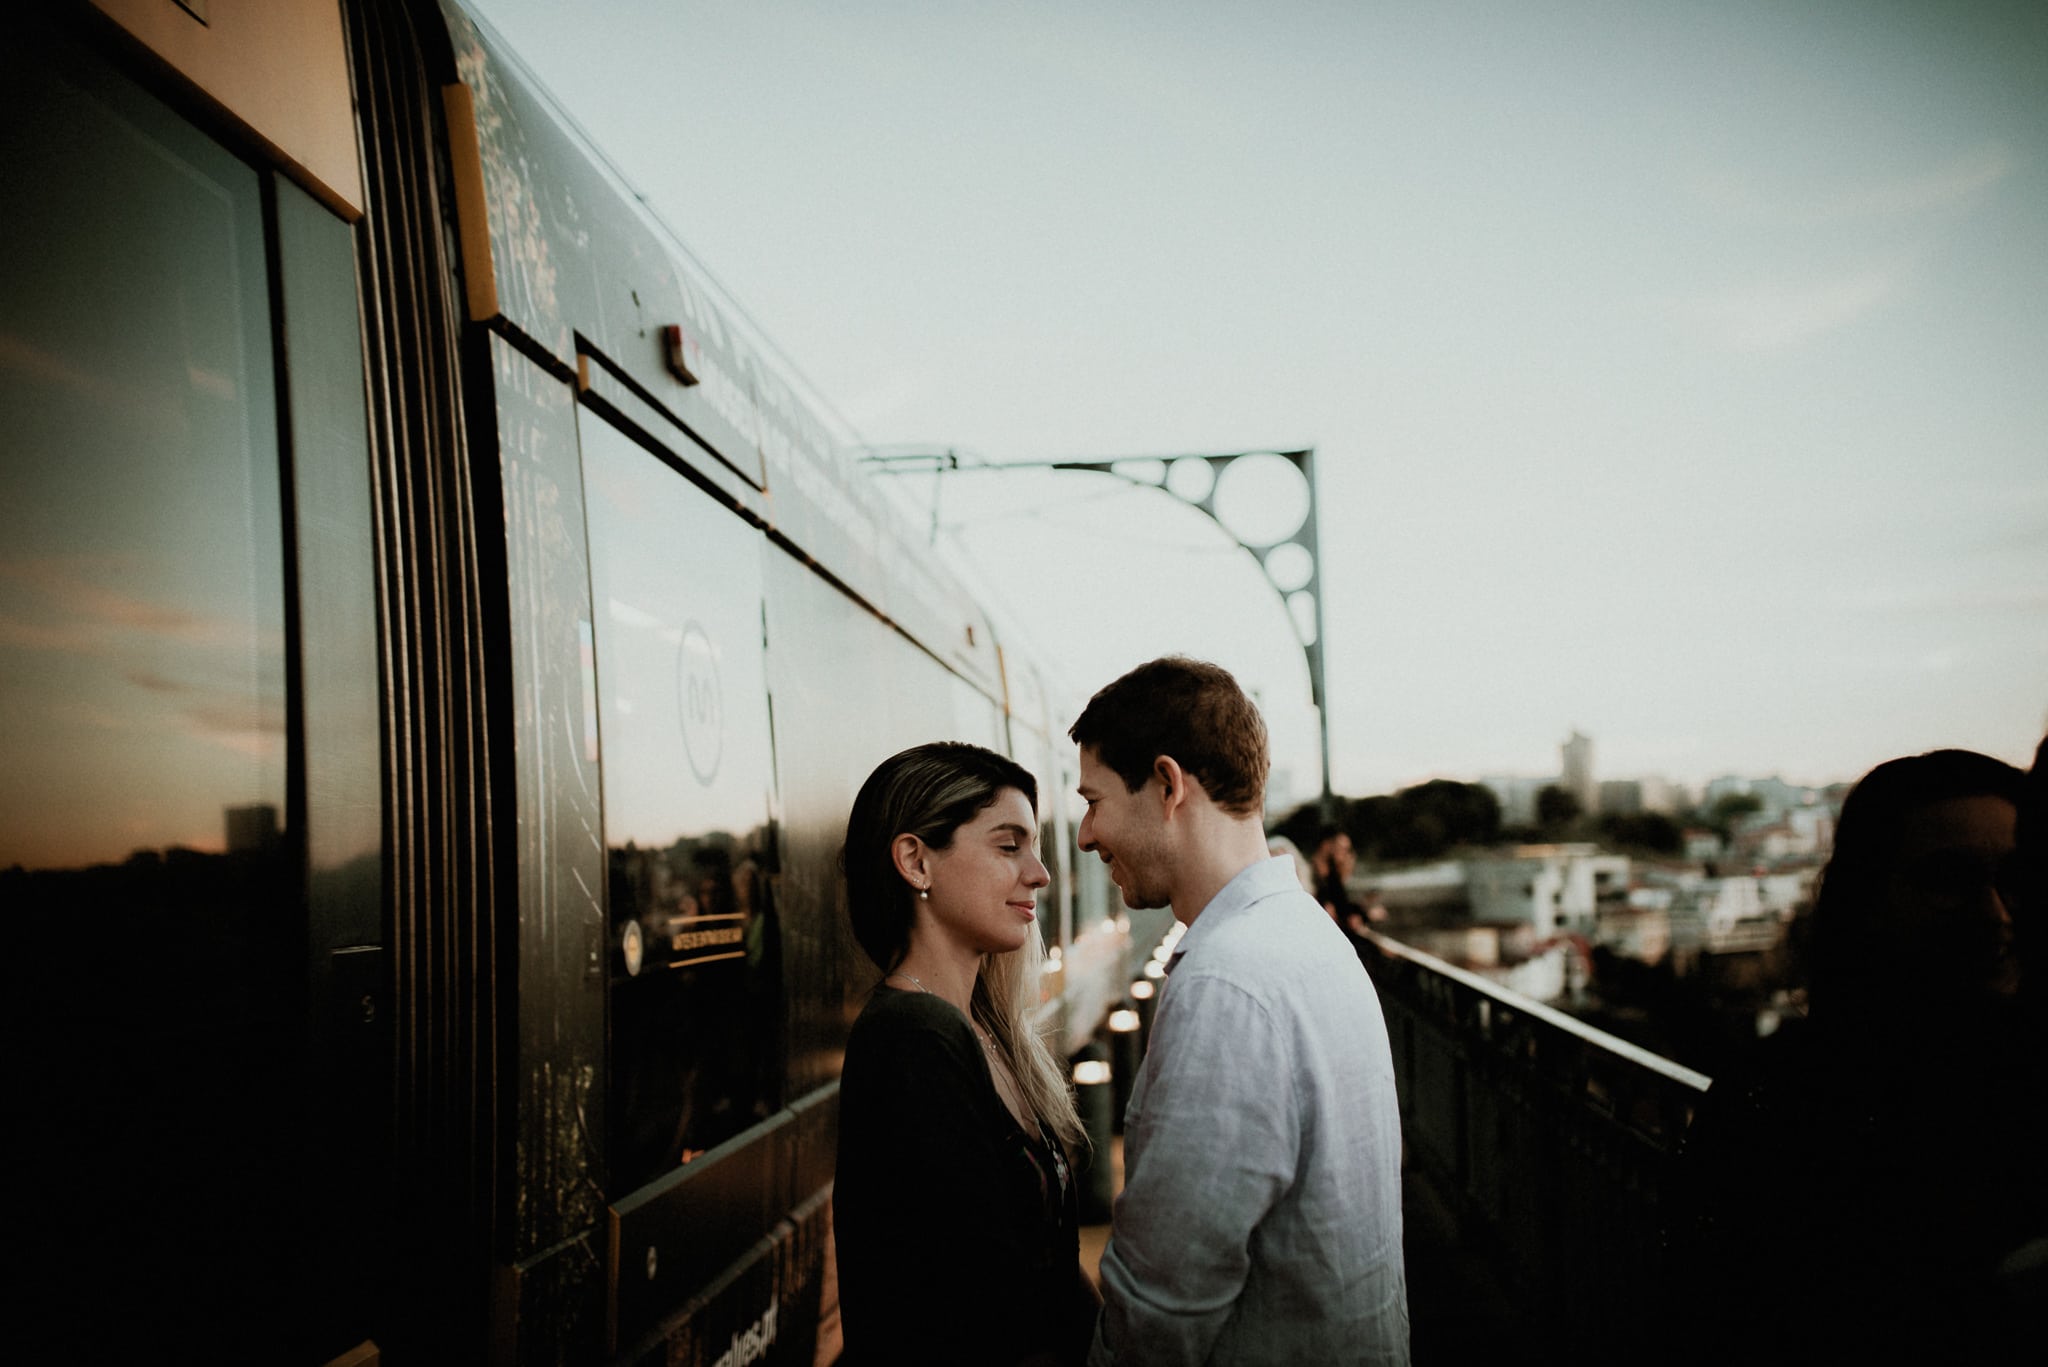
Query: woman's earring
[924,894]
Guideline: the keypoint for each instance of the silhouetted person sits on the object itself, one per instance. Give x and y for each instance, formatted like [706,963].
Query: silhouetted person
[1857,1188]
[2026,897]
[2025,1269]
[1333,861]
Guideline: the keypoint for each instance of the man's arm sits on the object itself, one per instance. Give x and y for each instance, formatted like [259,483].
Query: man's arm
[1217,1137]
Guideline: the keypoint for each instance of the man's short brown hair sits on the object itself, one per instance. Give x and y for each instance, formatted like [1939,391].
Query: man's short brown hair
[1191,710]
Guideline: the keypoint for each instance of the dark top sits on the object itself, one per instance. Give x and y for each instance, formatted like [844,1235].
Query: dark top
[1846,1195]
[958,1236]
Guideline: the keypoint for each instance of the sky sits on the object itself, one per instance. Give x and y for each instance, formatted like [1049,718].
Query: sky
[1677,373]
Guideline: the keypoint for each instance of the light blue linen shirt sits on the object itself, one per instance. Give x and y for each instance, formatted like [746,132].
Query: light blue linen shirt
[1260,1220]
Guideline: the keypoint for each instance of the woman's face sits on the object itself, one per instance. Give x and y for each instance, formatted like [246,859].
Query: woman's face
[1942,906]
[984,886]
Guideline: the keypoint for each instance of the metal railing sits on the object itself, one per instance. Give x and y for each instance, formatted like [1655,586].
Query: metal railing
[1548,1138]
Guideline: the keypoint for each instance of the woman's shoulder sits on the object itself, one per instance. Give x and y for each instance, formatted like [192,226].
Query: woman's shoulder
[908,1053]
[893,1019]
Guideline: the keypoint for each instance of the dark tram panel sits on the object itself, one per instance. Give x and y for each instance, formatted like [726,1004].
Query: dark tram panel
[551,1294]
[190,823]
[438,654]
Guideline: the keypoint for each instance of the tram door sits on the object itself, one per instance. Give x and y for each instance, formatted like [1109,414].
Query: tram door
[189,818]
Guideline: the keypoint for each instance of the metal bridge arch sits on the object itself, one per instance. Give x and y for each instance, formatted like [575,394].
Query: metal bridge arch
[1301,599]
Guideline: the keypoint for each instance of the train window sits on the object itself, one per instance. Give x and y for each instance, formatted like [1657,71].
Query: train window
[850,691]
[694,994]
[1095,897]
[336,580]
[828,656]
[1056,902]
[1029,749]
[155,961]
[340,779]
[143,582]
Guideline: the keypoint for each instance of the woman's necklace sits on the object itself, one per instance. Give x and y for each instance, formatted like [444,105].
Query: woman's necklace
[1007,1089]
[918,983]
[914,981]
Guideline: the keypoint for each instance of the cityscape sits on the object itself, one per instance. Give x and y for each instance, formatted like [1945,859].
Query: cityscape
[1667,916]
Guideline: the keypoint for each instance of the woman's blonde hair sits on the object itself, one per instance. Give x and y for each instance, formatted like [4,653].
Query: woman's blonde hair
[931,791]
[1004,997]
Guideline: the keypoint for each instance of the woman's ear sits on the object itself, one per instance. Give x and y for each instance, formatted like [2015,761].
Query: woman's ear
[908,853]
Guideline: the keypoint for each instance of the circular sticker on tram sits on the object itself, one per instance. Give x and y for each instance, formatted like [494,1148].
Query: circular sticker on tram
[629,944]
[701,701]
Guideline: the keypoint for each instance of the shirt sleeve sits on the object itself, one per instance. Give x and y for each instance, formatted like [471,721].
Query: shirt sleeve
[1216,1136]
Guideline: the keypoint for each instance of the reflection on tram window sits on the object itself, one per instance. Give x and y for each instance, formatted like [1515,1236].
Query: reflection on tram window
[141,589]
[141,632]
[695,992]
[1051,895]
[153,968]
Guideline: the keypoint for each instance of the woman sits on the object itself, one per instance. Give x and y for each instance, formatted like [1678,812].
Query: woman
[1861,1185]
[954,1207]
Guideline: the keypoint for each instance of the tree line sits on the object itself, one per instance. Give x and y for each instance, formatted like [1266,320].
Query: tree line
[1430,820]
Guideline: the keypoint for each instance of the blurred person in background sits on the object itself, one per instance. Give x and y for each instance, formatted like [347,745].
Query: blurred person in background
[1859,1186]
[1260,1220]
[955,1212]
[1333,861]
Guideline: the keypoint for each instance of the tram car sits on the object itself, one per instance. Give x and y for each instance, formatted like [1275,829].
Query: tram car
[440,652]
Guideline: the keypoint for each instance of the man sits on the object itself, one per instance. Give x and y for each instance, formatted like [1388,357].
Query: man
[1333,862]
[1260,1220]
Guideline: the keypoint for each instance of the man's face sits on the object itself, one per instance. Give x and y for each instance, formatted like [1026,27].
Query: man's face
[1128,831]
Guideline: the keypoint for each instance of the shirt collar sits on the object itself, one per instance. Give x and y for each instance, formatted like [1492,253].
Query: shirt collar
[1254,883]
